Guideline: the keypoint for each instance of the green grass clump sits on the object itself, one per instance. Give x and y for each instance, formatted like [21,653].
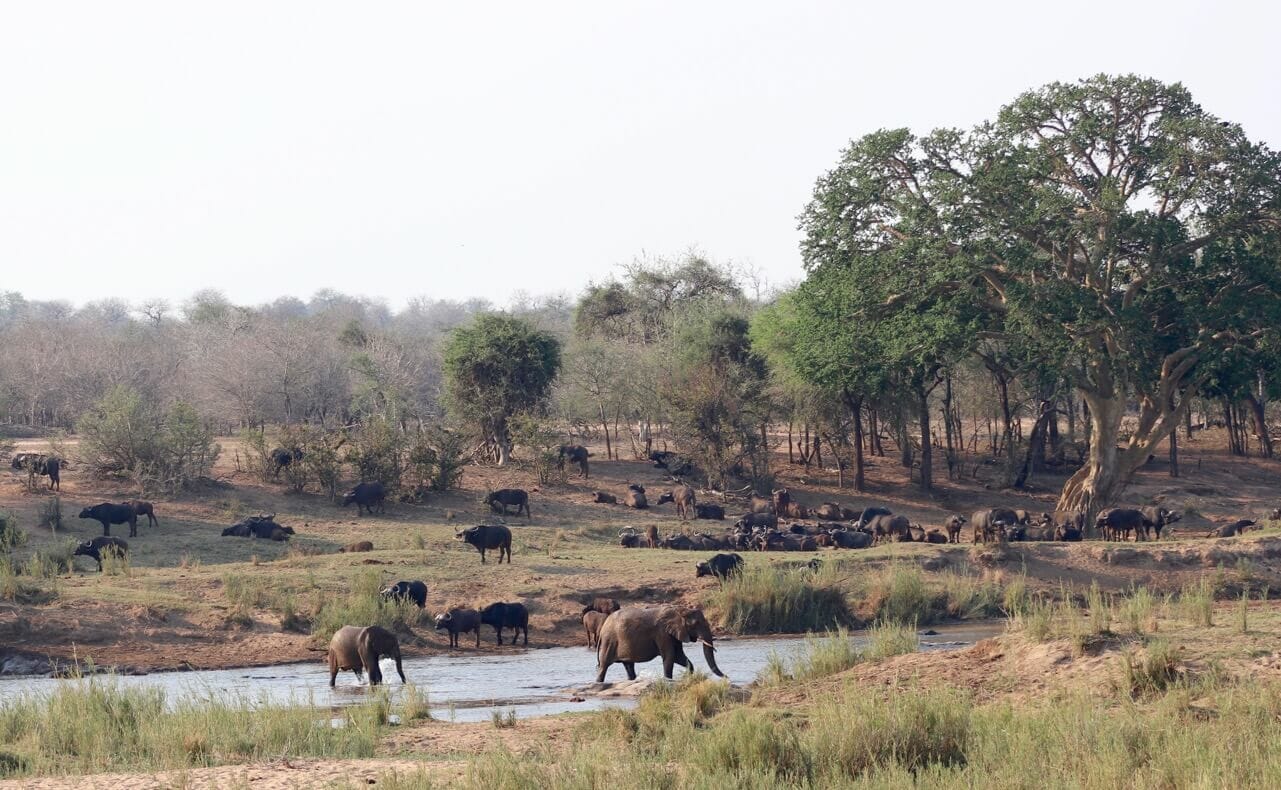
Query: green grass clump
[1196,603]
[900,594]
[1153,673]
[765,600]
[891,639]
[363,606]
[96,725]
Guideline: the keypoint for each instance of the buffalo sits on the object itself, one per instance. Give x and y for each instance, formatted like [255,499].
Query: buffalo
[709,512]
[828,511]
[890,526]
[459,621]
[869,513]
[262,526]
[602,498]
[683,497]
[603,605]
[628,539]
[37,464]
[282,457]
[357,547]
[1117,523]
[98,547]
[850,538]
[143,508]
[635,497]
[504,498]
[488,536]
[506,615]
[953,526]
[1233,529]
[722,566]
[1157,519]
[575,454]
[108,513]
[406,591]
[989,524]
[751,521]
[367,496]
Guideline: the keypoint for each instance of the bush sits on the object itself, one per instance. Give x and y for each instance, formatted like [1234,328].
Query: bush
[11,536]
[436,459]
[901,594]
[1153,673]
[765,600]
[364,606]
[376,451]
[123,434]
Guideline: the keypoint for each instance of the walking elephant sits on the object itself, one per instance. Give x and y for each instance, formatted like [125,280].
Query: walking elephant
[357,649]
[638,634]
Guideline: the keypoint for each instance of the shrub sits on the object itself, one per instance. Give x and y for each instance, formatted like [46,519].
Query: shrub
[364,606]
[376,451]
[50,514]
[11,537]
[900,594]
[124,434]
[1153,673]
[765,600]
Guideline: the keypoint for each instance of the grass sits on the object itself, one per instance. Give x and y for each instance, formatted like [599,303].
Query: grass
[1153,672]
[833,652]
[769,600]
[364,606]
[1196,602]
[891,639]
[94,725]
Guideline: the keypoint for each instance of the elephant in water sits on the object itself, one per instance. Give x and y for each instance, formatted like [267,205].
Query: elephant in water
[357,649]
[639,634]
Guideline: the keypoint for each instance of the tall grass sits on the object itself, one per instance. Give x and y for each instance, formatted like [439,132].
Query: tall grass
[96,725]
[902,593]
[1196,603]
[885,640]
[765,600]
[363,606]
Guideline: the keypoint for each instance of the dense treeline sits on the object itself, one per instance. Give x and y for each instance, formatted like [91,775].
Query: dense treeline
[1062,286]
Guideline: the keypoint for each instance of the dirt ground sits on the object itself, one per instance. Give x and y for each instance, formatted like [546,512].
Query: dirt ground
[170,610]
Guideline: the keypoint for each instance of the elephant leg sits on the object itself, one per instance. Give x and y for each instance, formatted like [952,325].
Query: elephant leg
[630,666]
[400,670]
[668,662]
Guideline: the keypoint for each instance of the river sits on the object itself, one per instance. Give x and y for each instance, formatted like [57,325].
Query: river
[470,686]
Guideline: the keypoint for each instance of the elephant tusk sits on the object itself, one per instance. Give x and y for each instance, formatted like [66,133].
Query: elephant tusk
[707,644]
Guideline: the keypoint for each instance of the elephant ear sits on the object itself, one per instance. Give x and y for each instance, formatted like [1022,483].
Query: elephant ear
[673,621]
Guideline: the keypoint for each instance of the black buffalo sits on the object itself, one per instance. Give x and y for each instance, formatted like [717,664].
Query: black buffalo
[710,512]
[488,536]
[259,527]
[506,615]
[282,457]
[1117,523]
[575,454]
[504,498]
[109,513]
[407,591]
[97,547]
[870,513]
[722,566]
[38,464]
[459,621]
[367,496]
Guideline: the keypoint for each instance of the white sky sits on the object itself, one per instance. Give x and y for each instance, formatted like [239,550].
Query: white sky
[476,149]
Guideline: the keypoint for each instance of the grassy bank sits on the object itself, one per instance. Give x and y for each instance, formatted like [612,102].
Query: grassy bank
[97,725]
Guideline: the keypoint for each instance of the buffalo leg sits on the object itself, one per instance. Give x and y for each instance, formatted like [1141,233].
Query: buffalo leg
[106,528]
[498,631]
[526,630]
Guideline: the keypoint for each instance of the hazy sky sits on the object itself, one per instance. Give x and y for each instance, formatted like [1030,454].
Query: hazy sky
[476,149]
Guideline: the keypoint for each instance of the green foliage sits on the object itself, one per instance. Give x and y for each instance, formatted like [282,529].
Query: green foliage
[885,640]
[497,367]
[376,451]
[542,447]
[766,600]
[96,725]
[49,513]
[436,459]
[363,606]
[11,536]
[164,450]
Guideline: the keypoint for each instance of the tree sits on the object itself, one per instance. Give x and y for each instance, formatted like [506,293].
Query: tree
[497,367]
[1103,222]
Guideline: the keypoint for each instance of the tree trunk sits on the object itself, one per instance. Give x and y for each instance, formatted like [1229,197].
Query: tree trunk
[855,405]
[791,454]
[604,424]
[927,477]
[1036,442]
[1260,424]
[1174,453]
[1007,419]
[1234,442]
[947,426]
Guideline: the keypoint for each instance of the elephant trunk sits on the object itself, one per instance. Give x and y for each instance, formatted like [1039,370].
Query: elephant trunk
[709,654]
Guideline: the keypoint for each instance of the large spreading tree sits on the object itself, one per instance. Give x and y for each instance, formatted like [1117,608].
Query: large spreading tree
[1111,226]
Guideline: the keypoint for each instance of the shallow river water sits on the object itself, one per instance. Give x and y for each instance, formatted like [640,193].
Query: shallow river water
[468,687]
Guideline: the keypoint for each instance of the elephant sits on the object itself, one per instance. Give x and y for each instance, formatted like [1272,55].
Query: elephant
[637,634]
[356,648]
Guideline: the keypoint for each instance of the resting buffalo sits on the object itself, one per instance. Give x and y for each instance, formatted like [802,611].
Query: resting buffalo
[259,527]
[1232,530]
[39,464]
[628,539]
[97,547]
[635,497]
[575,454]
[357,547]
[506,615]
[722,566]
[1117,523]
[828,511]
[753,520]
[504,498]
[459,621]
[673,463]
[850,538]
[406,591]
[367,496]
[602,498]
[1067,534]
[282,457]
[709,512]
[108,513]
[488,536]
